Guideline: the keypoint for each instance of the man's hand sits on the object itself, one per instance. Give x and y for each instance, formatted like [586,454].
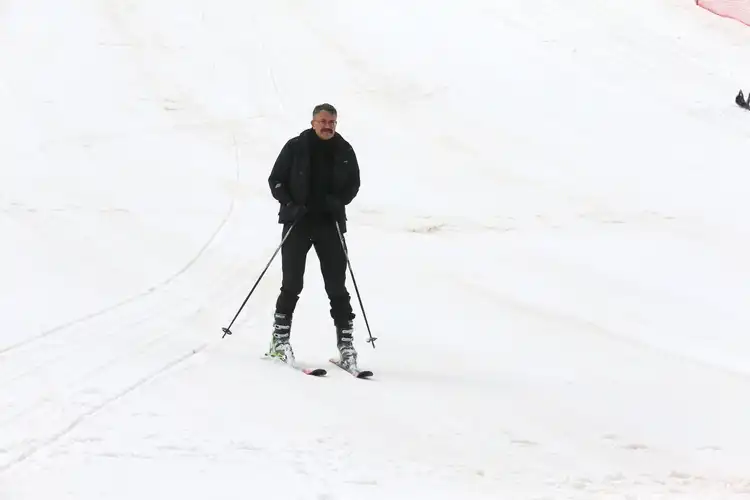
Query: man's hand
[333,204]
[293,212]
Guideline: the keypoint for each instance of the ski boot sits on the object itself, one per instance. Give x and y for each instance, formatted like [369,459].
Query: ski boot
[345,344]
[280,347]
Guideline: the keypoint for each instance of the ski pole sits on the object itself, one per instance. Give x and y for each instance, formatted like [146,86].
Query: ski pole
[227,330]
[348,263]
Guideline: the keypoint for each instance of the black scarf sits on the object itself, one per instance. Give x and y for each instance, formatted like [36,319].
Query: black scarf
[321,170]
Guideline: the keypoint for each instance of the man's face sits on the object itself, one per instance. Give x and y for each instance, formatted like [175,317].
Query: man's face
[324,124]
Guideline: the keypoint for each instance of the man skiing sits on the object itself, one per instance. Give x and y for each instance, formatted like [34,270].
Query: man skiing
[741,102]
[314,177]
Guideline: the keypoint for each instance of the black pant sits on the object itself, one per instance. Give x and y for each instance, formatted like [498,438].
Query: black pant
[325,238]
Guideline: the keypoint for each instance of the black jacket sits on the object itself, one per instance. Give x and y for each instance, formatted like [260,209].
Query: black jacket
[290,177]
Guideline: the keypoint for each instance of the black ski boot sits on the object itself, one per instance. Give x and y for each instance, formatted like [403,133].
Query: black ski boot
[280,347]
[345,343]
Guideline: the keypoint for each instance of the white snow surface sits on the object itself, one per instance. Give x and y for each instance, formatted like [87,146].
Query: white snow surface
[551,243]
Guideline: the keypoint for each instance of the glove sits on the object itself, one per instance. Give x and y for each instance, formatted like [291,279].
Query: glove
[333,204]
[292,212]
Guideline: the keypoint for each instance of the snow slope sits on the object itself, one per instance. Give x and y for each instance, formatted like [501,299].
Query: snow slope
[550,241]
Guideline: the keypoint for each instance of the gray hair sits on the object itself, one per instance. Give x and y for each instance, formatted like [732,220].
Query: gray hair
[324,107]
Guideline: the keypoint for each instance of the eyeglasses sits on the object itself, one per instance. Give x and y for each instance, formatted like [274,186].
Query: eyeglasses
[332,123]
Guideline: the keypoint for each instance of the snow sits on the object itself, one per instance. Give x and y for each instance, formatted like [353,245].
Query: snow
[550,242]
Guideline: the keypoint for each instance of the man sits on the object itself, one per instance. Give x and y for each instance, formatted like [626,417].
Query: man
[741,102]
[314,177]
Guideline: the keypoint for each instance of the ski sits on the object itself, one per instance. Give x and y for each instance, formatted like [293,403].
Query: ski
[355,372]
[315,372]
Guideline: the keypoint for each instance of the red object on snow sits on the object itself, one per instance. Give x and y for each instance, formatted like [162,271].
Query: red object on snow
[738,10]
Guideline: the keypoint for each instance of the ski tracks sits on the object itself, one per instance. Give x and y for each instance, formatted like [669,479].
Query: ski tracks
[51,387]
[55,381]
[56,435]
[58,379]
[51,371]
